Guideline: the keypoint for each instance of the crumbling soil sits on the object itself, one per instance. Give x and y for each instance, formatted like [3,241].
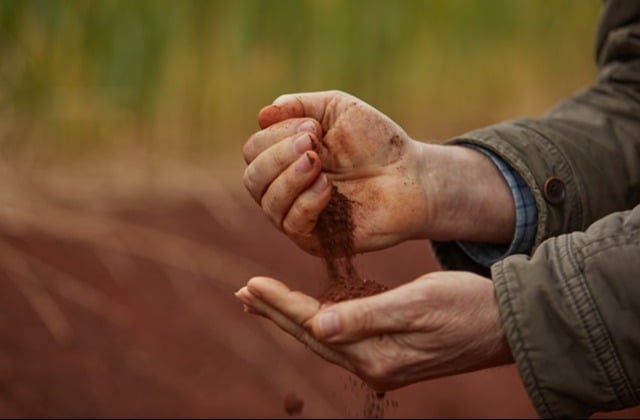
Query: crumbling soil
[339,291]
[335,228]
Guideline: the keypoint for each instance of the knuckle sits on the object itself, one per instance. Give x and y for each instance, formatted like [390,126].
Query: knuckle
[277,158]
[249,180]
[300,219]
[366,317]
[248,150]
[290,227]
[269,204]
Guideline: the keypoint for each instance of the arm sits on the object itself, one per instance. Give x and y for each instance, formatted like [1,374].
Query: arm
[581,160]
[526,216]
[401,188]
[570,311]
[571,314]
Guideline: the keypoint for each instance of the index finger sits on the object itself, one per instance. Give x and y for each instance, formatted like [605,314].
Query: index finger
[265,138]
[297,105]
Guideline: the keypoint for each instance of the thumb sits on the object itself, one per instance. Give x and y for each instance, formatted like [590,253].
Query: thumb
[298,105]
[356,319]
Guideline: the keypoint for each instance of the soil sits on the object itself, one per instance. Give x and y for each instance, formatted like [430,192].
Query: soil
[293,404]
[124,308]
[339,291]
[336,228]
[336,232]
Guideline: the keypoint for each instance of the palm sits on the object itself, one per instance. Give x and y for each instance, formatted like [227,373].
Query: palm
[441,324]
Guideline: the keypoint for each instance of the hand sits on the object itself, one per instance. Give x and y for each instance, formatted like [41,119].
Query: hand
[400,188]
[366,155]
[441,324]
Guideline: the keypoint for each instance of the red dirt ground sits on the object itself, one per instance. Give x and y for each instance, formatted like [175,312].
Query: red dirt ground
[128,311]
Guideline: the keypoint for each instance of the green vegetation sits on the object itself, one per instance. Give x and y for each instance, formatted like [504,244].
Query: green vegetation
[186,78]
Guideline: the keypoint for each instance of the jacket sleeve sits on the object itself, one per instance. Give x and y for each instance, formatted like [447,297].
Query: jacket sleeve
[582,159]
[571,310]
[571,313]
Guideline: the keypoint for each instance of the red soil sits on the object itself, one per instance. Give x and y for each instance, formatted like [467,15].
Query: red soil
[131,313]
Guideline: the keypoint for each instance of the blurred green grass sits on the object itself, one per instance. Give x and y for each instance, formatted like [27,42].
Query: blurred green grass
[184,79]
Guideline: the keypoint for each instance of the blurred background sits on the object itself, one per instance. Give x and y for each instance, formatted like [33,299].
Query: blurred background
[184,80]
[124,226]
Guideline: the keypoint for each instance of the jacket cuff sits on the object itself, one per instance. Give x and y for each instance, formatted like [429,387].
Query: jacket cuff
[514,142]
[550,177]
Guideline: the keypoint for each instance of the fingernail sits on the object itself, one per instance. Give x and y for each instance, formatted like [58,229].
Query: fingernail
[242,297]
[308,126]
[320,184]
[328,324]
[302,143]
[305,163]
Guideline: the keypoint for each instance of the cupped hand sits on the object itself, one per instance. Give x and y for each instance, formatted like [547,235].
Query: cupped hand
[399,188]
[311,141]
[440,324]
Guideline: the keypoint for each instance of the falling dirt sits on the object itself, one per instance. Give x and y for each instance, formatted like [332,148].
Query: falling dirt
[336,233]
[335,229]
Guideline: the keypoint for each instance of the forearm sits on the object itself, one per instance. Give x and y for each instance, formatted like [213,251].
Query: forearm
[581,160]
[471,199]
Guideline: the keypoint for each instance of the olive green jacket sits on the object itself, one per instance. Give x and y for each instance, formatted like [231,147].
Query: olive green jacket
[571,309]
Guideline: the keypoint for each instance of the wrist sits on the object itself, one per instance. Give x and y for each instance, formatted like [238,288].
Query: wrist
[468,197]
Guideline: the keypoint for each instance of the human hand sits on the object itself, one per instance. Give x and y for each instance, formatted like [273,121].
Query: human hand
[442,323]
[347,143]
[399,188]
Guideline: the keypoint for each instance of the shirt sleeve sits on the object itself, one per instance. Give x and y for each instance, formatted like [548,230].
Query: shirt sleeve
[486,254]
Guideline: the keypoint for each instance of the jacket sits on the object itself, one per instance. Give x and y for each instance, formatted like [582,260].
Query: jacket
[571,309]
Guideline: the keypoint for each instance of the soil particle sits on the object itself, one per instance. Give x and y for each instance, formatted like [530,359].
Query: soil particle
[293,404]
[395,141]
[339,291]
[335,227]
[375,404]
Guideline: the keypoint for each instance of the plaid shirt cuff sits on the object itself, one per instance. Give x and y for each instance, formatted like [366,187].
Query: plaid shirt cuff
[526,218]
